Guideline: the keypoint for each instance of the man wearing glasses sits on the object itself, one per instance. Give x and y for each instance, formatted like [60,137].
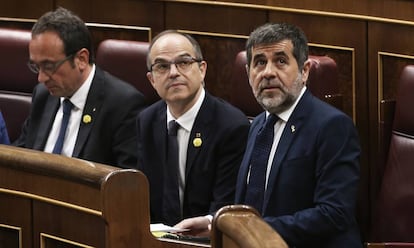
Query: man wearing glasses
[78,110]
[190,143]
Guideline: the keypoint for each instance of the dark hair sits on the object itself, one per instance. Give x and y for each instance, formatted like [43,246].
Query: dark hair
[194,43]
[70,29]
[276,32]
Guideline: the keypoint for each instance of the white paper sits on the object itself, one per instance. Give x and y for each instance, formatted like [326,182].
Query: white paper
[159,227]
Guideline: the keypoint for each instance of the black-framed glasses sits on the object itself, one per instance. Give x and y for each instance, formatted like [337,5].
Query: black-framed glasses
[183,64]
[48,67]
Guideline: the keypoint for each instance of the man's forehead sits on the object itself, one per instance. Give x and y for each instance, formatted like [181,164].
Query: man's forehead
[171,45]
[284,46]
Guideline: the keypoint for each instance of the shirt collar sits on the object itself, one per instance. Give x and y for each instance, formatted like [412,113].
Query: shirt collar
[186,121]
[79,97]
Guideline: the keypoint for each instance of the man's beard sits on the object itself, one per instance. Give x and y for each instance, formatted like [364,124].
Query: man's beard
[279,102]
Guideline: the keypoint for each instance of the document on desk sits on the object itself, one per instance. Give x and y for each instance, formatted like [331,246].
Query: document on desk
[159,227]
[160,230]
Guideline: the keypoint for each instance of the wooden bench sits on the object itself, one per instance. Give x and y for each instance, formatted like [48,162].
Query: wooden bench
[48,200]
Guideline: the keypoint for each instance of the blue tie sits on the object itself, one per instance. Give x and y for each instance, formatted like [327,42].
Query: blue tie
[67,109]
[258,164]
[171,206]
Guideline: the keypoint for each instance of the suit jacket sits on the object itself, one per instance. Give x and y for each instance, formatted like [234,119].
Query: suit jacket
[4,135]
[312,187]
[109,138]
[211,169]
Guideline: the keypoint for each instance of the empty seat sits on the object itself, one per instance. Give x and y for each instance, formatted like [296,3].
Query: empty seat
[16,80]
[394,218]
[126,60]
[14,49]
[322,82]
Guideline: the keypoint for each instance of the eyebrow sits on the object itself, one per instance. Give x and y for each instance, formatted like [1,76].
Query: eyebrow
[179,56]
[281,53]
[275,54]
[258,56]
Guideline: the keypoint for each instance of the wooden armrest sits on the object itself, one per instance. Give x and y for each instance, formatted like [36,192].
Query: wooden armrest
[241,226]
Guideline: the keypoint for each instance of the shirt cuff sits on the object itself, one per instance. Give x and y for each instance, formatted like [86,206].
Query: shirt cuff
[209,217]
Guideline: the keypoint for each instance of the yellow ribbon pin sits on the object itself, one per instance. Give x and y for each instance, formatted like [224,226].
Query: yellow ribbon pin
[197,142]
[87,119]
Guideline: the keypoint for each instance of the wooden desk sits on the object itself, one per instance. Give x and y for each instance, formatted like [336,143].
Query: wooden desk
[48,200]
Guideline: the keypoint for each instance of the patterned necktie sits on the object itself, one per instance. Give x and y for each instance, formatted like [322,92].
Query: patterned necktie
[67,109]
[258,164]
[171,208]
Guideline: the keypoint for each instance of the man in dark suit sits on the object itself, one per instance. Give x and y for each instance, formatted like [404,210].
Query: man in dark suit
[211,135]
[306,185]
[99,124]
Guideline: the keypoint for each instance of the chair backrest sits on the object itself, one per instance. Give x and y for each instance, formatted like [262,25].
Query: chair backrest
[14,49]
[394,220]
[16,80]
[126,60]
[322,82]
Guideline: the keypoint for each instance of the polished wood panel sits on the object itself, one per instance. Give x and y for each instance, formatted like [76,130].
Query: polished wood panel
[395,9]
[126,12]
[216,19]
[18,209]
[58,201]
[99,31]
[25,8]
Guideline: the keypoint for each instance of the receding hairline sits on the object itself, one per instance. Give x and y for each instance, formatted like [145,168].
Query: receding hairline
[169,34]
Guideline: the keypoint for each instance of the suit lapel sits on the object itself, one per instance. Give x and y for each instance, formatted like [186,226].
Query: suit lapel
[245,165]
[92,108]
[51,107]
[160,133]
[292,128]
[201,130]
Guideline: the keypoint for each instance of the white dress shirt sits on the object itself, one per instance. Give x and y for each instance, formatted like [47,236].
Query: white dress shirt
[78,100]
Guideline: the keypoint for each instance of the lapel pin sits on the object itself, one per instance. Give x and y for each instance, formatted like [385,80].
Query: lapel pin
[292,128]
[86,119]
[197,140]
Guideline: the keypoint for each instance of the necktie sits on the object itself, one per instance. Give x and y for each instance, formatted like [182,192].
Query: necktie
[172,209]
[258,164]
[67,109]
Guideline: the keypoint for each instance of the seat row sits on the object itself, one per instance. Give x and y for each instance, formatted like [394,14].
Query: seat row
[127,60]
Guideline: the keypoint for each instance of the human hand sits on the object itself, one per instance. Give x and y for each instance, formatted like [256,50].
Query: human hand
[198,226]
